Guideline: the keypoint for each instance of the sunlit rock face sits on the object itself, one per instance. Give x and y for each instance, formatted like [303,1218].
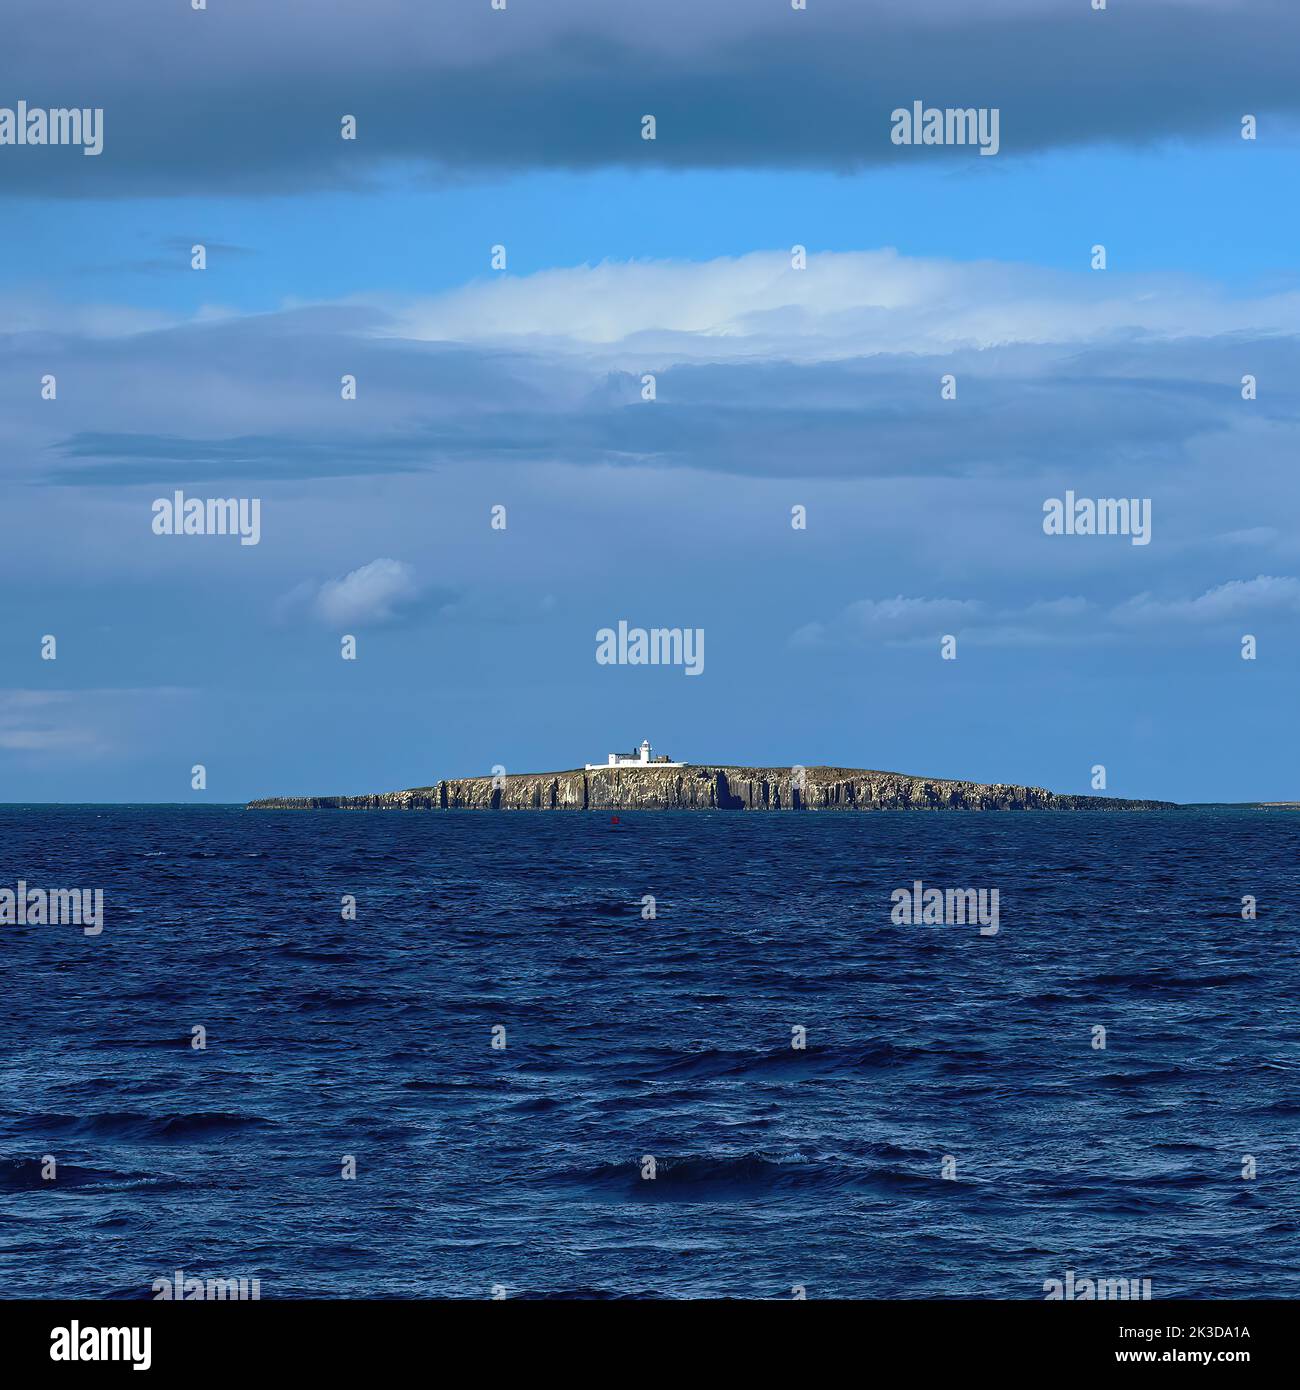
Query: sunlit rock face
[703,788]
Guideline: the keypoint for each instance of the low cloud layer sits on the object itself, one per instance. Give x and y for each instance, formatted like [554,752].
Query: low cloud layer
[78,723]
[1070,621]
[841,305]
[832,372]
[248,97]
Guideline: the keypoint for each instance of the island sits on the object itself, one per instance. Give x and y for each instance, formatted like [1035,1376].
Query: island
[646,786]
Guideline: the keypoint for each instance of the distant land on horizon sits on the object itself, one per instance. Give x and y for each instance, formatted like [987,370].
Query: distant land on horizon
[691,786]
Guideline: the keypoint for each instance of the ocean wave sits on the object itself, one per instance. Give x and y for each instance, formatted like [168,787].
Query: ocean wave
[779,1063]
[135,1125]
[740,1176]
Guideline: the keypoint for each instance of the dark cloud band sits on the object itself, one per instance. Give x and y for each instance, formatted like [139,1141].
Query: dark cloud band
[253,102]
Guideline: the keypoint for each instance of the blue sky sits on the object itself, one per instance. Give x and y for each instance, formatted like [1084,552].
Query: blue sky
[776,387]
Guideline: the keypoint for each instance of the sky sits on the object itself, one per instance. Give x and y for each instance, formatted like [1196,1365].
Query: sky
[797,285]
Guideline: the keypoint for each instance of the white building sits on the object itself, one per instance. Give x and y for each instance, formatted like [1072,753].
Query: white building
[639,757]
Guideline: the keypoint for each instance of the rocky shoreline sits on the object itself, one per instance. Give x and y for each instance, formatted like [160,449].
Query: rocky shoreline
[707,788]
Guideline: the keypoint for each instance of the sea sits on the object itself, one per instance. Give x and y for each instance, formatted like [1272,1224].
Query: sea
[657,1054]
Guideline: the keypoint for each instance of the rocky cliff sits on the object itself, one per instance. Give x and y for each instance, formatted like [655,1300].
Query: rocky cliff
[711,788]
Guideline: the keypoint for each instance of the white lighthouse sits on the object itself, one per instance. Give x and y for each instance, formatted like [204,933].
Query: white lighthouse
[638,757]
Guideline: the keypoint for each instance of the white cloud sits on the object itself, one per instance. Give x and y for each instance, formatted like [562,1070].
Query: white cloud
[1239,598]
[375,593]
[641,315]
[843,304]
[909,621]
[891,620]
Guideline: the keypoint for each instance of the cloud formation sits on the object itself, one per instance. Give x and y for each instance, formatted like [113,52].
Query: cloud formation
[384,591]
[843,304]
[1070,620]
[831,372]
[80,722]
[248,97]
[1237,600]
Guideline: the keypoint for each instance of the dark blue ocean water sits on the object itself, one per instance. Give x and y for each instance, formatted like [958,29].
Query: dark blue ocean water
[520,1168]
